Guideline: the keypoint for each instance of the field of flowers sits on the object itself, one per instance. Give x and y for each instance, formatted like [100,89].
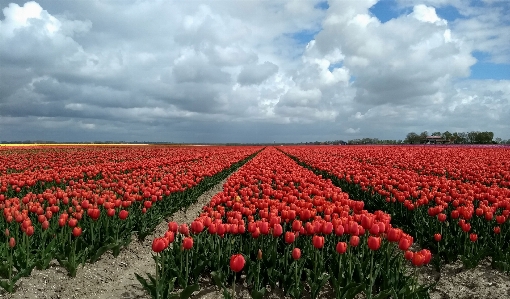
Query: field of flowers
[348,221]
[74,204]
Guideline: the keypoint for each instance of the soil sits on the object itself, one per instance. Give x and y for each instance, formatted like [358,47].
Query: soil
[113,277]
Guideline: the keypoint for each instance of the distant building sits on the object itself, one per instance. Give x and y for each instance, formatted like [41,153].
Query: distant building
[434,140]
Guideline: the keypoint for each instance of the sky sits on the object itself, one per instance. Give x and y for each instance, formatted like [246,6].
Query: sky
[252,71]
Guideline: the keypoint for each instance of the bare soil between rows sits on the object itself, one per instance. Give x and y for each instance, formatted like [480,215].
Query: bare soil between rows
[115,278]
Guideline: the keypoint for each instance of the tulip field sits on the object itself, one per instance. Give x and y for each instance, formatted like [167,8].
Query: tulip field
[346,221]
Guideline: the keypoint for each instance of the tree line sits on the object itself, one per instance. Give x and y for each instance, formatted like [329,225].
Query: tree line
[473,137]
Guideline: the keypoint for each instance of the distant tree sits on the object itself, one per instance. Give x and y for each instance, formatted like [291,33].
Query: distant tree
[436,134]
[412,138]
[471,137]
[447,135]
[484,137]
[463,137]
[424,134]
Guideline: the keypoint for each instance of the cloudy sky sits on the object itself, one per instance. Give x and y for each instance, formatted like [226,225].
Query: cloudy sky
[252,71]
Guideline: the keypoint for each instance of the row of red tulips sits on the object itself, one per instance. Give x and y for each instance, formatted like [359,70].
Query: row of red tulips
[274,214]
[116,168]
[488,166]
[78,221]
[429,207]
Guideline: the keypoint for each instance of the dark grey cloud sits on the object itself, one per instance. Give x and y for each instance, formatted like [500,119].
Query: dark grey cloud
[198,70]
[256,74]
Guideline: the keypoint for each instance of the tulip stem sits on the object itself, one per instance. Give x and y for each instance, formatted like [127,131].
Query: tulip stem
[258,277]
[187,269]
[157,275]
[25,238]
[370,286]
[234,287]
[298,279]
[349,259]
[92,230]
[339,265]
[415,278]
[10,263]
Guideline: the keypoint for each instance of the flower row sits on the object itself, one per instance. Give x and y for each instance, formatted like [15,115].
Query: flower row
[424,204]
[279,215]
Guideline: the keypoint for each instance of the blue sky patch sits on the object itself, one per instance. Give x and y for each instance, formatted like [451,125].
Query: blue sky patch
[334,66]
[322,5]
[448,13]
[484,69]
[303,37]
[386,10]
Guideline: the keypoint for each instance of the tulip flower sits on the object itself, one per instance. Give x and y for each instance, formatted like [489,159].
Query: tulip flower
[296,253]
[354,241]
[289,237]
[341,247]
[159,245]
[123,214]
[237,262]
[437,237]
[12,242]
[187,243]
[374,243]
[318,241]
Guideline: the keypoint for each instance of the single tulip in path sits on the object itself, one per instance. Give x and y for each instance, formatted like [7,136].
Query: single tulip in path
[271,214]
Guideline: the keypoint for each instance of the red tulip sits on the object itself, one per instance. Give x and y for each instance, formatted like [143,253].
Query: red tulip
[184,229]
[289,237]
[237,262]
[405,243]
[341,247]
[12,242]
[30,231]
[497,230]
[45,225]
[123,214]
[72,222]
[327,228]
[296,225]
[197,227]
[374,243]
[339,230]
[374,230]
[173,226]
[437,237]
[354,241]
[187,243]
[296,253]
[441,217]
[394,234]
[418,259]
[408,255]
[159,244]
[264,227]
[76,231]
[367,222]
[170,236]
[277,230]
[318,241]
[427,255]
[256,233]
[473,237]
